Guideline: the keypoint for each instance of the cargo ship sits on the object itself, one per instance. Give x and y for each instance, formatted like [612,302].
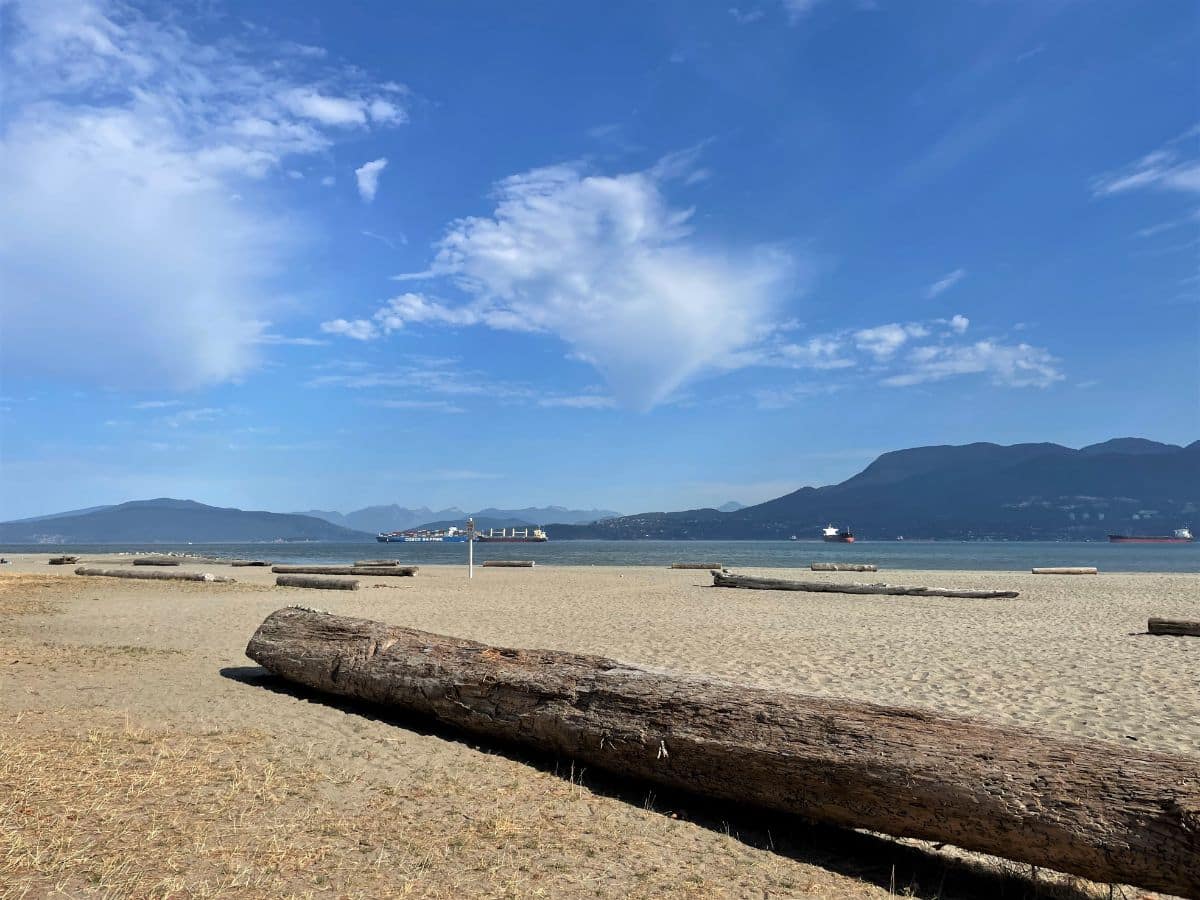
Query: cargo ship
[1178,536]
[449,535]
[837,535]
[512,536]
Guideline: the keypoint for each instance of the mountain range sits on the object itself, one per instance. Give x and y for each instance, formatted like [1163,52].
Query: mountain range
[374,519]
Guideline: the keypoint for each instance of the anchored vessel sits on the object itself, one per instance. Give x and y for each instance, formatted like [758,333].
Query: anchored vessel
[512,536]
[449,535]
[1178,536]
[837,535]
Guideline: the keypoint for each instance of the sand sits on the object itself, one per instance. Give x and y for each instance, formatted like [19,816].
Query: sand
[151,675]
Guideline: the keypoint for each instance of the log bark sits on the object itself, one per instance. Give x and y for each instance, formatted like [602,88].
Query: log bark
[250,562]
[1181,627]
[696,566]
[1101,810]
[155,561]
[312,581]
[1066,570]
[345,570]
[154,576]
[729,580]
[63,560]
[377,562]
[843,567]
[508,563]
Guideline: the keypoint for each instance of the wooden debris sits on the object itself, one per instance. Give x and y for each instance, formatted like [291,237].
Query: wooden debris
[156,561]
[63,560]
[687,565]
[1104,811]
[311,581]
[345,570]
[1066,570]
[751,582]
[378,562]
[843,567]
[1181,627]
[156,576]
[251,562]
[508,563]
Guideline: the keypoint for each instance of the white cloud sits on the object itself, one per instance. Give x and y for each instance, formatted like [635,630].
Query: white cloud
[582,401]
[607,265]
[1163,169]
[191,417]
[798,9]
[960,323]
[1018,365]
[883,341]
[367,176]
[310,104]
[359,329]
[156,404]
[945,283]
[745,16]
[131,155]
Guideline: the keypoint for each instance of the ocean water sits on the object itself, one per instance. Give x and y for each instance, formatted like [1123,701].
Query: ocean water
[967,555]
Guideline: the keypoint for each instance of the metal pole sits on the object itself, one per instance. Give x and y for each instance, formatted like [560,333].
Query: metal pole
[471,548]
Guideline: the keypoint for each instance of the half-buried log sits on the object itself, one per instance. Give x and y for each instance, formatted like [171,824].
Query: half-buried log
[751,582]
[1066,570]
[508,563]
[1181,627]
[696,566]
[313,581]
[251,562]
[345,570]
[843,567]
[156,561]
[63,560]
[152,575]
[1101,810]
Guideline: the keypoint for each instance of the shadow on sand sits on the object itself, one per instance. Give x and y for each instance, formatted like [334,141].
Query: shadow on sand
[905,869]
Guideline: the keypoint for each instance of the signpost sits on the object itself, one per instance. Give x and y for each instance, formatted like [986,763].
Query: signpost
[471,547]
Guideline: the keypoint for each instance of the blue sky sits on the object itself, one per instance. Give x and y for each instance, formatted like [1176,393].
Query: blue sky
[635,255]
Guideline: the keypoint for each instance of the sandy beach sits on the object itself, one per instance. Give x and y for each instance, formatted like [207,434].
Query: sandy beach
[141,753]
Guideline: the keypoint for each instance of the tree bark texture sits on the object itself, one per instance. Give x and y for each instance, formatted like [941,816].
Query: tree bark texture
[750,582]
[153,575]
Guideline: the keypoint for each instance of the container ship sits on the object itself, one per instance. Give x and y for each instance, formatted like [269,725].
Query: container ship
[512,536]
[1178,536]
[449,535]
[837,535]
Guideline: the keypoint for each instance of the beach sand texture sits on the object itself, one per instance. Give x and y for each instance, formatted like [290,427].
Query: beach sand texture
[144,691]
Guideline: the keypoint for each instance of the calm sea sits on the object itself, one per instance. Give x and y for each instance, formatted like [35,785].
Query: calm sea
[1015,556]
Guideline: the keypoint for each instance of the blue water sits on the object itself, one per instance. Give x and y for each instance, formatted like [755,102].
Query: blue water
[1014,556]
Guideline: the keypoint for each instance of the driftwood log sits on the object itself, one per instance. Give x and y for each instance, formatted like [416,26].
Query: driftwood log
[1101,810]
[313,581]
[1066,570]
[508,563]
[751,582]
[377,562]
[63,560]
[156,561]
[696,566]
[1181,627]
[251,562]
[843,567]
[345,570]
[154,576]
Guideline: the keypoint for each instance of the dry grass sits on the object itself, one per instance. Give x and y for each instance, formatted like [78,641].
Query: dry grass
[19,594]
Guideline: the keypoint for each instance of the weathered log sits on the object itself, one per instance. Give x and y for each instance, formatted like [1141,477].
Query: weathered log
[1182,627]
[152,575]
[1101,810]
[156,561]
[686,565]
[63,560]
[751,582]
[508,563]
[377,562]
[250,562]
[1066,570]
[345,570]
[312,581]
[843,567]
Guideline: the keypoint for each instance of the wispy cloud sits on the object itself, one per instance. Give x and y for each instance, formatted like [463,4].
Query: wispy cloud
[157,404]
[746,16]
[441,406]
[192,416]
[1168,168]
[944,283]
[367,177]
[579,401]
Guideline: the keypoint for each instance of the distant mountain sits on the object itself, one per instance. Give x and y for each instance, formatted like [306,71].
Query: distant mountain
[536,515]
[170,521]
[731,506]
[977,491]
[374,519]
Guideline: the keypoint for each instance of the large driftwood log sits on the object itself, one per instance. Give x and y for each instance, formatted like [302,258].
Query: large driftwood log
[261,563]
[1066,570]
[156,561]
[153,575]
[729,580]
[508,563]
[377,562]
[1105,811]
[843,567]
[700,565]
[1174,626]
[345,570]
[63,560]
[314,581]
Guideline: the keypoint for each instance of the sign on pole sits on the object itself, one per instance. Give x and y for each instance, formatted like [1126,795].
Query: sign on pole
[471,547]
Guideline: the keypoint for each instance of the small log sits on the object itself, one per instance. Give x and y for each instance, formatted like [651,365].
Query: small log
[377,562]
[155,576]
[345,570]
[1066,570]
[843,567]
[311,581]
[63,560]
[508,563]
[751,582]
[156,561]
[1105,811]
[250,562]
[696,566]
[1181,627]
